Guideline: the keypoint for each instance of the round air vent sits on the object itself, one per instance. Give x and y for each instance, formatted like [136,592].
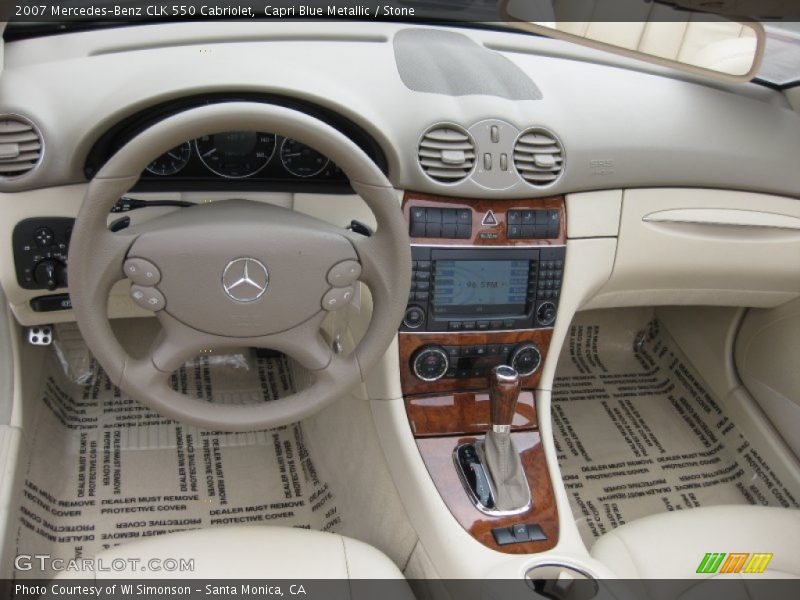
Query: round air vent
[21,146]
[447,153]
[539,157]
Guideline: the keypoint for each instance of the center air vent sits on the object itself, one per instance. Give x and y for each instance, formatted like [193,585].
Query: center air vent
[20,146]
[447,153]
[539,157]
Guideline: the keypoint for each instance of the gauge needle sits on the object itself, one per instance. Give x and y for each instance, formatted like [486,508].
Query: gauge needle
[173,155]
[293,154]
[210,152]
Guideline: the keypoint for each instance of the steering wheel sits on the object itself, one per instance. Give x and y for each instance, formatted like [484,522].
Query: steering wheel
[238,273]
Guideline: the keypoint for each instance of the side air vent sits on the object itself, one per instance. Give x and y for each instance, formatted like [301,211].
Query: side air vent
[539,157]
[447,153]
[20,146]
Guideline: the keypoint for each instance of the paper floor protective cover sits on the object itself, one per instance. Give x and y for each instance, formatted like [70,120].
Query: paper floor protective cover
[103,469]
[637,433]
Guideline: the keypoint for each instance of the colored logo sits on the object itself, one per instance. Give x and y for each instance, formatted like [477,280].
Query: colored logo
[735,562]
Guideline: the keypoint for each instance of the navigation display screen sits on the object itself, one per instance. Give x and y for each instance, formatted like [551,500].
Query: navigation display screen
[495,287]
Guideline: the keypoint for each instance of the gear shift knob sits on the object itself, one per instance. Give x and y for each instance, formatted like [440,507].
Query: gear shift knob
[504,389]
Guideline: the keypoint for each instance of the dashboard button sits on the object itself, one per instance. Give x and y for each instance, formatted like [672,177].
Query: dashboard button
[469,325]
[417,229]
[414,317]
[454,325]
[433,215]
[546,313]
[433,229]
[484,325]
[496,324]
[449,230]
[44,236]
[344,273]
[141,271]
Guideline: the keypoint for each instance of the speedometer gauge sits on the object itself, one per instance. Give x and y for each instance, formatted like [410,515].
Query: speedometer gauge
[236,154]
[300,160]
[171,162]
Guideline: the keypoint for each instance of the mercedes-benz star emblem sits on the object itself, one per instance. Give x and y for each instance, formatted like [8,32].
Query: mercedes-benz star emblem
[245,279]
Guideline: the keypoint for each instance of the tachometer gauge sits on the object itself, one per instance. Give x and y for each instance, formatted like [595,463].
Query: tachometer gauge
[172,161]
[300,160]
[236,154]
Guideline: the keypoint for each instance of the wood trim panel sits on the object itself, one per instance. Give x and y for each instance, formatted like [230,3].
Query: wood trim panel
[411,342]
[437,453]
[485,235]
[463,414]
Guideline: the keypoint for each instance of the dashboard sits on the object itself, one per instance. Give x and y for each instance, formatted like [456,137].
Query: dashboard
[535,181]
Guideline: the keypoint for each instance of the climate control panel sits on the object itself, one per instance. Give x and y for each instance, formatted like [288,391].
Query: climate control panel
[433,362]
[40,252]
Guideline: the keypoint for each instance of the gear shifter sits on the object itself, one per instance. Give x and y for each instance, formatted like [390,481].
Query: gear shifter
[503,395]
[499,455]
[492,469]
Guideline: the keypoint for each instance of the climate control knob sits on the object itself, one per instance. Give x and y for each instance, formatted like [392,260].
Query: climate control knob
[526,359]
[430,363]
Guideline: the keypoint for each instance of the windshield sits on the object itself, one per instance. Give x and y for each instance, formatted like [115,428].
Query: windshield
[781,64]
[780,67]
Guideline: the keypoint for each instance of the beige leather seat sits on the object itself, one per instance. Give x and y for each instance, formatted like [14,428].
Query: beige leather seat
[672,545]
[255,552]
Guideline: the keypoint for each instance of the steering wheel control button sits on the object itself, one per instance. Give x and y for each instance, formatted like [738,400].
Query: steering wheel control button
[148,298]
[141,271]
[344,273]
[336,298]
[245,279]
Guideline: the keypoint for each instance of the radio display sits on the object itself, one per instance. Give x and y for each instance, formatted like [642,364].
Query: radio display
[467,287]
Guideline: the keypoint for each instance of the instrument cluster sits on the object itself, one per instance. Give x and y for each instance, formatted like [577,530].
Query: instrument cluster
[243,155]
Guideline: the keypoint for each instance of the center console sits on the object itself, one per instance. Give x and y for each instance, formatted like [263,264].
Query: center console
[486,285]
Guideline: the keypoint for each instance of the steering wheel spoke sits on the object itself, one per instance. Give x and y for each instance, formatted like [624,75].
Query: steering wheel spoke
[305,344]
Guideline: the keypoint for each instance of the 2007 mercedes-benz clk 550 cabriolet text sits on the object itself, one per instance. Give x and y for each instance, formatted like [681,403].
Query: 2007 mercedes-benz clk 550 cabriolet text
[434,300]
